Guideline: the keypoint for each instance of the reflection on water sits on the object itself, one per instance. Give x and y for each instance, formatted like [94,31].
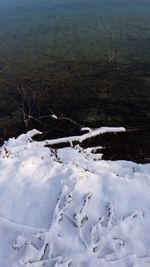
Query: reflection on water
[39,36]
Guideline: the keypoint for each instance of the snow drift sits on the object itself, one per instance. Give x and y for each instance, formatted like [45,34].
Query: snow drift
[69,208]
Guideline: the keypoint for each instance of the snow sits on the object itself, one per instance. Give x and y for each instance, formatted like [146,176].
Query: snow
[54,116]
[83,137]
[86,129]
[69,208]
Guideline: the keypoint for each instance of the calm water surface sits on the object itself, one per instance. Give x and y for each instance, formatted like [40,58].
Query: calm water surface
[41,38]
[109,30]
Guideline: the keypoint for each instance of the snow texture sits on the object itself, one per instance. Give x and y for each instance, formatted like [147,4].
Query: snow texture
[69,208]
[90,134]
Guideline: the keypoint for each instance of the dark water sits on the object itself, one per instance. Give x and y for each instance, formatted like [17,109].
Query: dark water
[87,59]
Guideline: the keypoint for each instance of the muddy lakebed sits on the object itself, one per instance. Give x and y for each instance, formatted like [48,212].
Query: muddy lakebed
[88,61]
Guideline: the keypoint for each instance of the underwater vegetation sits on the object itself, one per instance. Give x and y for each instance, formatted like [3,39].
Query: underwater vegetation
[86,60]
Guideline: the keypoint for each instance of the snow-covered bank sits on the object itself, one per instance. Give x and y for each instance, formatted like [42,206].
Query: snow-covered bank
[68,208]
